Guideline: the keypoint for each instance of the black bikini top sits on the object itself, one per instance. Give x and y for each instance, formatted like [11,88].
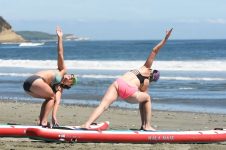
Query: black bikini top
[139,76]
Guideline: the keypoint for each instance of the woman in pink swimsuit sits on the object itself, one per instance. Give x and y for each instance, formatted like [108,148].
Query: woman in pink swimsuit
[133,88]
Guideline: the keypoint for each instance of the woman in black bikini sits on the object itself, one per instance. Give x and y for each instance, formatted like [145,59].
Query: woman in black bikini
[133,88]
[49,85]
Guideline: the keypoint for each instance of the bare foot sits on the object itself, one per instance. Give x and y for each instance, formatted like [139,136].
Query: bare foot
[46,125]
[84,126]
[148,129]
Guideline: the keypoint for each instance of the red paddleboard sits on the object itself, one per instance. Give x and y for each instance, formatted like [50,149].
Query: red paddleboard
[14,130]
[127,136]
[20,130]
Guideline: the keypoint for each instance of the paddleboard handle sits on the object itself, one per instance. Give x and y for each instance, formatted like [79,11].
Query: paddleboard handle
[218,129]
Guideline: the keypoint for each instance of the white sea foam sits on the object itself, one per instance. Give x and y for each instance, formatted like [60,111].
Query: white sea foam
[29,44]
[210,65]
[194,78]
[16,74]
[9,43]
[162,77]
[186,88]
[99,76]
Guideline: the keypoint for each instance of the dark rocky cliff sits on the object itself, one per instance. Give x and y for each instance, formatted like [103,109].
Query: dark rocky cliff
[7,34]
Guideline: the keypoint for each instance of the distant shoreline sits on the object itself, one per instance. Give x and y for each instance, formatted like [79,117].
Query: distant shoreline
[40,36]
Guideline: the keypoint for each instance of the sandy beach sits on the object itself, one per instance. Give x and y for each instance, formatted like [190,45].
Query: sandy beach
[27,113]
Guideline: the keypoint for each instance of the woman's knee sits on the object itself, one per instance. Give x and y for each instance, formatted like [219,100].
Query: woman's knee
[51,97]
[146,98]
[149,98]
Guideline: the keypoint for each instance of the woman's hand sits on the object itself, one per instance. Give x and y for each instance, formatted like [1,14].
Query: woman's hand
[156,49]
[59,31]
[54,121]
[168,33]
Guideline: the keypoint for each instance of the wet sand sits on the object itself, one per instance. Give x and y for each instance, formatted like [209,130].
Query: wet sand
[27,113]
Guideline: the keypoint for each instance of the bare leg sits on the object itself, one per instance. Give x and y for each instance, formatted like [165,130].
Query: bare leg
[40,89]
[47,106]
[42,111]
[147,116]
[109,97]
[141,108]
[145,108]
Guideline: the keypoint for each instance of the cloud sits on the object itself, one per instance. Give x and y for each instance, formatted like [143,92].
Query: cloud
[196,21]
[217,21]
[188,21]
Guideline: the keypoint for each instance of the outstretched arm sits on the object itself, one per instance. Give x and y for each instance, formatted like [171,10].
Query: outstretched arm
[156,49]
[56,106]
[60,61]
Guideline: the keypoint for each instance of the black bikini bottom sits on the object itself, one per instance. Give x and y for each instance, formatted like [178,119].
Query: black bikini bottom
[28,82]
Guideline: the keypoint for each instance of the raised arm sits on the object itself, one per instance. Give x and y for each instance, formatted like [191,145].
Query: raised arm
[156,49]
[60,61]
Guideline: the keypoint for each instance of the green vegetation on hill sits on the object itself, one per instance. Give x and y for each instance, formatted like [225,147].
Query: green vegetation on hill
[36,35]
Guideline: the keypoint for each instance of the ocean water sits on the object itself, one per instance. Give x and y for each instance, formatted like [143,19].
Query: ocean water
[193,72]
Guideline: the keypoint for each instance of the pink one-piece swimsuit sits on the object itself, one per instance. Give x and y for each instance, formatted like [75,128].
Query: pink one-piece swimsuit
[124,89]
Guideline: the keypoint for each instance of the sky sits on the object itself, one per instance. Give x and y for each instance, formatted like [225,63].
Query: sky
[120,19]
